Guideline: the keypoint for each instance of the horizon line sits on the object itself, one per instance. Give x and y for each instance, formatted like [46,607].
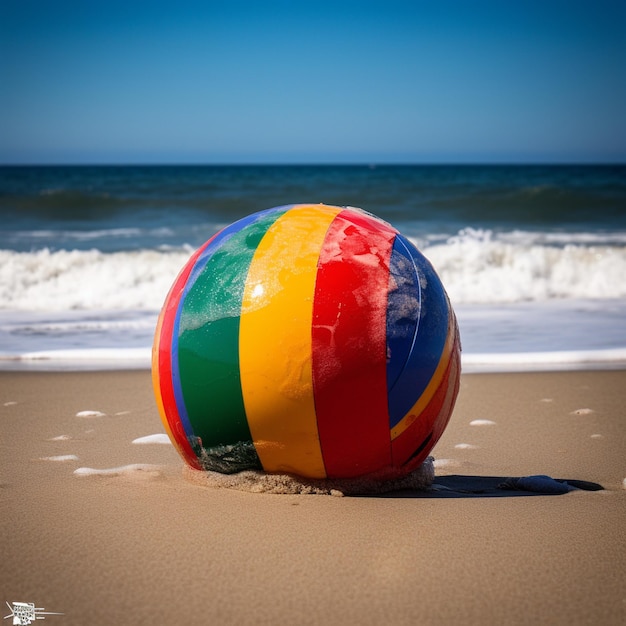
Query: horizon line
[370,164]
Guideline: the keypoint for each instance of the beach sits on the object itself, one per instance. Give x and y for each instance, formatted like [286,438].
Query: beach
[102,523]
[138,543]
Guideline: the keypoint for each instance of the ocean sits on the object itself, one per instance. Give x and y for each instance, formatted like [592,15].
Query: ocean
[533,257]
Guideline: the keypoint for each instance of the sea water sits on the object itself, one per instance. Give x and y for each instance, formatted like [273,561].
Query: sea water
[533,257]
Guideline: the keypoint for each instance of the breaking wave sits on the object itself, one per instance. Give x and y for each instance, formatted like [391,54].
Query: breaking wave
[476,266]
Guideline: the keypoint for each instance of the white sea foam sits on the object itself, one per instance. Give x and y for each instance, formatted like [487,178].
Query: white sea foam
[93,280]
[476,266]
[159,438]
[561,360]
[90,414]
[87,358]
[61,458]
[530,238]
[517,296]
[482,267]
[132,469]
[83,326]
[482,423]
[140,358]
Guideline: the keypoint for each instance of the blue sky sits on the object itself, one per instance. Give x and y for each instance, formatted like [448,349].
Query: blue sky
[318,82]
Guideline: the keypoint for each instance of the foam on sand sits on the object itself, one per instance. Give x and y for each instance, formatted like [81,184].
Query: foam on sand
[130,358]
[534,361]
[159,438]
[90,414]
[140,358]
[124,470]
[482,423]
[60,458]
[259,482]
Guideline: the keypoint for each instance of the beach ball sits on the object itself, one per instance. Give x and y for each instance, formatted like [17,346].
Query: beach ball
[310,340]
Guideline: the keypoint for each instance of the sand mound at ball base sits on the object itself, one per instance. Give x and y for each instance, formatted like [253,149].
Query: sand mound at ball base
[259,482]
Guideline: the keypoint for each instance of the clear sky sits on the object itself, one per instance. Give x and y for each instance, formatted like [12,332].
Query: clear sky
[91,81]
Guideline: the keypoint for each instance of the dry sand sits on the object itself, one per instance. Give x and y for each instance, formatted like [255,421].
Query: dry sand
[146,546]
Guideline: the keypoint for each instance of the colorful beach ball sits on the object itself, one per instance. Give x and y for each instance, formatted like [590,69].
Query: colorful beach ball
[307,339]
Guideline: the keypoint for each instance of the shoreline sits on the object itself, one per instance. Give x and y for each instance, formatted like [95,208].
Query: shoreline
[140,544]
[139,359]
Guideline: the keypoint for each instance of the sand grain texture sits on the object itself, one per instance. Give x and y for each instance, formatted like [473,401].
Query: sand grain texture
[148,547]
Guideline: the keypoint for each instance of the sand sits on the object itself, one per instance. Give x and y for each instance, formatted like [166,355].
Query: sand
[139,544]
